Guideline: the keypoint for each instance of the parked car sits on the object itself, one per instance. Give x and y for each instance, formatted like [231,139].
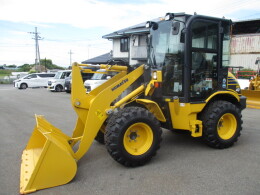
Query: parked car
[57,83]
[33,80]
[67,85]
[85,76]
[97,79]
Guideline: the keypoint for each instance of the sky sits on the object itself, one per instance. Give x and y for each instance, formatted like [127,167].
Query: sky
[78,25]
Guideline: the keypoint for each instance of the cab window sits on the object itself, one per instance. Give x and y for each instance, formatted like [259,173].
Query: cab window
[204,59]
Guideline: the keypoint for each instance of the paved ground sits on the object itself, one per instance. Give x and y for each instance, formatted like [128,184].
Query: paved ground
[183,165]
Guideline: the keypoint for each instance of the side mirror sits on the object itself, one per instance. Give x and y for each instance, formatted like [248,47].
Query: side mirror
[175,28]
[108,77]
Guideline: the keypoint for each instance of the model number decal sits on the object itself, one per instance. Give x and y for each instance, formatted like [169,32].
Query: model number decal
[120,84]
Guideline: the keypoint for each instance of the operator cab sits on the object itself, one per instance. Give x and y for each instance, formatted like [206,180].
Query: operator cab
[191,52]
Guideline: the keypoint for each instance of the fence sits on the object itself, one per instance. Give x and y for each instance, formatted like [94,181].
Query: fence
[245,74]
[6,80]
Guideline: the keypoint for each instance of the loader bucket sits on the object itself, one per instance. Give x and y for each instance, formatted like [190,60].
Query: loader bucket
[47,160]
[253,98]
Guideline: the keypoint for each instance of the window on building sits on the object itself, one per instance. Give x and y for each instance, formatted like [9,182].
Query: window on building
[124,45]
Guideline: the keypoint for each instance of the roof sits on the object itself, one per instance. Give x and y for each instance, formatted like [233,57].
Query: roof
[246,27]
[136,29]
[102,59]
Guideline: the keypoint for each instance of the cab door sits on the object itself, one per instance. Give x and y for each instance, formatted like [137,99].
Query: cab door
[204,59]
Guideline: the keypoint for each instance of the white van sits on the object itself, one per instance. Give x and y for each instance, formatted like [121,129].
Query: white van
[57,83]
[97,79]
[33,80]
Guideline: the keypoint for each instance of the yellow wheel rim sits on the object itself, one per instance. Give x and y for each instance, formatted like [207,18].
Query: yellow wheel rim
[227,126]
[138,139]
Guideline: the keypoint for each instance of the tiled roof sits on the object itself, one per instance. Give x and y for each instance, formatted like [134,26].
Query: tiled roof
[102,59]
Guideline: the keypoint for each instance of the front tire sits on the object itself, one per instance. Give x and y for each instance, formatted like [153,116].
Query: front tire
[58,88]
[23,86]
[100,137]
[222,124]
[133,136]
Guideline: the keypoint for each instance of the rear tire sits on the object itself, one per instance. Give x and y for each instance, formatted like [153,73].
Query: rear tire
[222,124]
[133,136]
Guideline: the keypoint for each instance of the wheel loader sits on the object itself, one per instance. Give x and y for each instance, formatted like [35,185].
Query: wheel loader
[253,91]
[184,86]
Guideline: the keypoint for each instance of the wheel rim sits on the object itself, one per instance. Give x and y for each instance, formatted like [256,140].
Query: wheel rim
[58,89]
[138,139]
[227,126]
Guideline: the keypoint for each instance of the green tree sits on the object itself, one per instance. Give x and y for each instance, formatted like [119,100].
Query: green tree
[49,65]
[25,68]
[11,66]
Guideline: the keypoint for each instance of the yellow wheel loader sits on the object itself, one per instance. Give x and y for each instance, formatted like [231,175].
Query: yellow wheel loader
[253,91]
[184,86]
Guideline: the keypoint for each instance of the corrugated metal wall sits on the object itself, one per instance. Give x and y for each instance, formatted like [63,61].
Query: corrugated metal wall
[245,60]
[248,44]
[244,50]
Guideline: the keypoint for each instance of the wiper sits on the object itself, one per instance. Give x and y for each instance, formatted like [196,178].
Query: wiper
[153,58]
[151,53]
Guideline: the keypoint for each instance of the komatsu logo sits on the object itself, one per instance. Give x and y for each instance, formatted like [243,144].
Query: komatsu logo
[118,85]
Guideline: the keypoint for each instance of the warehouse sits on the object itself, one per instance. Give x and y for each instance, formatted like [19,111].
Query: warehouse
[245,43]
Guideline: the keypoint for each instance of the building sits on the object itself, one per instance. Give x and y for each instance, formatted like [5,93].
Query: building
[130,44]
[245,43]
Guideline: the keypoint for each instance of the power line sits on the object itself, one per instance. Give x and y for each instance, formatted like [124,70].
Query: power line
[37,49]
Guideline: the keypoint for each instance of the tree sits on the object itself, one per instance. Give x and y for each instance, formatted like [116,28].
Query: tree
[25,68]
[49,65]
[11,66]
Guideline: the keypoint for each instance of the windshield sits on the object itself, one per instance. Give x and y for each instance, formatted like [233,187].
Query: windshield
[98,76]
[166,53]
[30,76]
[57,75]
[165,45]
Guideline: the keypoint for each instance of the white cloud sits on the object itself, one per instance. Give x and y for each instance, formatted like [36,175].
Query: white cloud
[94,13]
[90,14]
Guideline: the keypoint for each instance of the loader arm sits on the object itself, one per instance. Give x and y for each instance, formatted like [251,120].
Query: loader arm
[93,108]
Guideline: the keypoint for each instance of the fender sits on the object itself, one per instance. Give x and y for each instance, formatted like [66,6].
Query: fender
[233,94]
[153,107]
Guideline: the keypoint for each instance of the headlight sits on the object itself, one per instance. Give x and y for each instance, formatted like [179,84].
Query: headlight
[155,75]
[152,25]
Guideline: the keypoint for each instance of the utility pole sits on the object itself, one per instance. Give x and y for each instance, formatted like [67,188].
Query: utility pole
[37,50]
[70,57]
